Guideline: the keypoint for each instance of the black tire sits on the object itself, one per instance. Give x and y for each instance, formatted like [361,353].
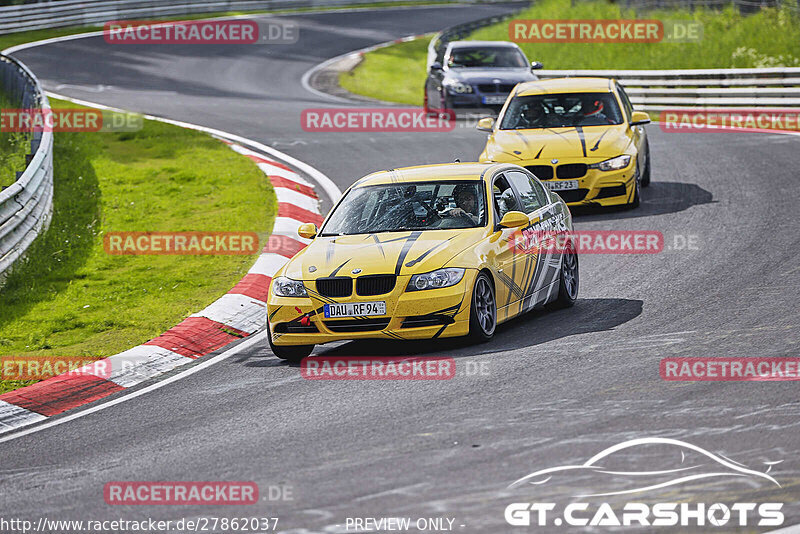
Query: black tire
[483,309]
[646,174]
[569,281]
[290,353]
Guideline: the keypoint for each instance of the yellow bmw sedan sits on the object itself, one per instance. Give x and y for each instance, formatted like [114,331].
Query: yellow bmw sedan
[424,252]
[580,136]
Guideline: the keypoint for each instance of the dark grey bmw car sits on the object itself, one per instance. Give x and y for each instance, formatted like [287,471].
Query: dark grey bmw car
[476,75]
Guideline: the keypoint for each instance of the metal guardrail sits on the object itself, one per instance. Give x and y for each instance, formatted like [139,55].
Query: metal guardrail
[97,12]
[744,6]
[438,44]
[663,89]
[26,205]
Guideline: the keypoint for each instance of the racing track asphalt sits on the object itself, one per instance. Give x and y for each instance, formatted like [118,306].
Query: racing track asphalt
[560,386]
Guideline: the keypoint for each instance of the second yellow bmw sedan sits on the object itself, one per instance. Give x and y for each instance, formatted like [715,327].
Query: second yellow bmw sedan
[424,252]
[580,136]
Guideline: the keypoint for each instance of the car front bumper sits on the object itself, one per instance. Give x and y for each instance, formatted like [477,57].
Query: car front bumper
[596,187]
[425,314]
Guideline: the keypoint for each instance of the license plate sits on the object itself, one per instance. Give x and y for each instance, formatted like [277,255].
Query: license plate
[355,309]
[562,186]
[494,99]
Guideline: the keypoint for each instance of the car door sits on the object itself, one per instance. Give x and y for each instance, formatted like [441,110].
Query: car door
[638,132]
[538,261]
[507,288]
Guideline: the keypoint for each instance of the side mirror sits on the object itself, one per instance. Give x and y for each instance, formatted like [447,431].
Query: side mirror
[536,65]
[486,124]
[639,118]
[514,219]
[436,66]
[307,230]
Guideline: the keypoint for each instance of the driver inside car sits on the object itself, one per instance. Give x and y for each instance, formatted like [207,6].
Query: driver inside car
[593,111]
[466,202]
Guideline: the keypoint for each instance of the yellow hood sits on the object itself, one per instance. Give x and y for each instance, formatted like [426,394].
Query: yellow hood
[592,143]
[401,253]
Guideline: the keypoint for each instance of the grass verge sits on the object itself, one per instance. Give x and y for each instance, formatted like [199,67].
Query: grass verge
[71,299]
[14,146]
[768,38]
[393,73]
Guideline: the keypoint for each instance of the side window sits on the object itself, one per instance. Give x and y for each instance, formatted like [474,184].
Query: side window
[530,192]
[626,102]
[505,199]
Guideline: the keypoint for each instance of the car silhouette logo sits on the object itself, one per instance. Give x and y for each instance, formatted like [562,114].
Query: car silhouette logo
[694,463]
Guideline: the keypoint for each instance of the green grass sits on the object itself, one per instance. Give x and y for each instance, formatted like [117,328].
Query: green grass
[769,38]
[394,73]
[14,146]
[69,298]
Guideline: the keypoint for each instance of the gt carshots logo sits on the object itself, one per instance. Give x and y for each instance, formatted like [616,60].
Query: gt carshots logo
[695,464]
[664,514]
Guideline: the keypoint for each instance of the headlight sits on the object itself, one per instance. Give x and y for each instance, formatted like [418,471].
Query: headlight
[458,88]
[613,164]
[435,279]
[286,287]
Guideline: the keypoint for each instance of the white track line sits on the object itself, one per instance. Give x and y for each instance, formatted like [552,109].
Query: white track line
[246,344]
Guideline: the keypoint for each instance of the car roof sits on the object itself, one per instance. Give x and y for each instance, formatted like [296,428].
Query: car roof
[462,44]
[430,173]
[565,85]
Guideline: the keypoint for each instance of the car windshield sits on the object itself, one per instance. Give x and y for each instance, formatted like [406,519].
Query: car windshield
[561,111]
[502,57]
[412,206]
